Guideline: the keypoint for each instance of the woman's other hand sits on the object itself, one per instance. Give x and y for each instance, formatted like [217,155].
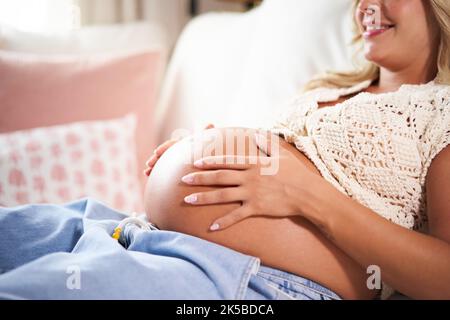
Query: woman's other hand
[159,151]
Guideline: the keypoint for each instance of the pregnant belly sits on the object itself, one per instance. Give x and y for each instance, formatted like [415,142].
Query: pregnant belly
[290,244]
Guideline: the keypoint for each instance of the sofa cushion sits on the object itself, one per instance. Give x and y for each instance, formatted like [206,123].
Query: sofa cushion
[62,163]
[39,90]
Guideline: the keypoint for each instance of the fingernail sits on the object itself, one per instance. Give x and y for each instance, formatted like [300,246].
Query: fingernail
[190,198]
[188,178]
[199,163]
[214,227]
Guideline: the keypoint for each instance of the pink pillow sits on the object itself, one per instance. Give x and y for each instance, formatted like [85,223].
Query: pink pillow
[44,90]
[63,163]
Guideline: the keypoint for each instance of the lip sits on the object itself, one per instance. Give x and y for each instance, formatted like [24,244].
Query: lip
[368,34]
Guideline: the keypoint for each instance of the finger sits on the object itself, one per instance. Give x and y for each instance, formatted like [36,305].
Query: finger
[211,178]
[163,147]
[224,195]
[226,162]
[151,162]
[233,217]
[147,172]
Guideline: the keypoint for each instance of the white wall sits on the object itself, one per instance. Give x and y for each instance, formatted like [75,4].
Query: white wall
[175,14]
[171,14]
[214,5]
[40,15]
[50,16]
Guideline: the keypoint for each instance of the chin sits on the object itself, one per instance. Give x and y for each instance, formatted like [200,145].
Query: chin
[375,54]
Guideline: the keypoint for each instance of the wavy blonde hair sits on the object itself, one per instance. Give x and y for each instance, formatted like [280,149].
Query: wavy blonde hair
[366,70]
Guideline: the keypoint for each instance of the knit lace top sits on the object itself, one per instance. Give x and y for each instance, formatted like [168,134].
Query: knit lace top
[376,148]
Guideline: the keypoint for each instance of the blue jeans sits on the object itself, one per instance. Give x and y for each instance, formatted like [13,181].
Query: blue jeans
[67,252]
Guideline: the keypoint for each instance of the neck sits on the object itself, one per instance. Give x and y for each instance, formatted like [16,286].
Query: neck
[393,80]
[414,73]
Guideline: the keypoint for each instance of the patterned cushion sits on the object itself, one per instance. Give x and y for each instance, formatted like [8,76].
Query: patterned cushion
[62,163]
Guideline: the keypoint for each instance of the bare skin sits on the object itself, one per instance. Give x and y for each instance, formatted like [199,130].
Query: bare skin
[291,244]
[330,237]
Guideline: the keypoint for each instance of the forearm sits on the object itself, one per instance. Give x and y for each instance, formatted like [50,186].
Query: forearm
[415,264]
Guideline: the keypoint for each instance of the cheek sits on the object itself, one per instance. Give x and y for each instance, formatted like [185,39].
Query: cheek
[401,46]
[411,23]
[411,39]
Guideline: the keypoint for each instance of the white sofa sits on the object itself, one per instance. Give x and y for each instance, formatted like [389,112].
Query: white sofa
[236,68]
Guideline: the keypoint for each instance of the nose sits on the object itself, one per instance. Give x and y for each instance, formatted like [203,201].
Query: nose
[370,11]
[368,6]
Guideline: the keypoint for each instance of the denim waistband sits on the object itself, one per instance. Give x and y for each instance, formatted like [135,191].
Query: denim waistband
[295,286]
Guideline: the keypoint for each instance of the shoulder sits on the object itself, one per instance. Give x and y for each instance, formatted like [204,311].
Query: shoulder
[440,163]
[443,94]
[438,188]
[441,91]
[438,93]
[430,105]
[433,126]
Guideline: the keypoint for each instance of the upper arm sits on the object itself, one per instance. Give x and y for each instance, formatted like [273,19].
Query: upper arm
[438,195]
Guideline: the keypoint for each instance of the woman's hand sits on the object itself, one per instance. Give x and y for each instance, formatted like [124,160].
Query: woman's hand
[275,194]
[159,151]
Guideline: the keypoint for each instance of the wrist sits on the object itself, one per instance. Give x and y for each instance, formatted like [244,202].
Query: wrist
[317,203]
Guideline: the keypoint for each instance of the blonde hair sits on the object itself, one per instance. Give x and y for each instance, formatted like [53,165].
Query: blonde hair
[366,70]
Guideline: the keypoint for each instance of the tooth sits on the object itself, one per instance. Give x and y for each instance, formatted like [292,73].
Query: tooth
[372,28]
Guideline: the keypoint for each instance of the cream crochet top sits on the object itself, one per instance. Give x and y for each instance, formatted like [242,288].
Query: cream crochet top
[376,148]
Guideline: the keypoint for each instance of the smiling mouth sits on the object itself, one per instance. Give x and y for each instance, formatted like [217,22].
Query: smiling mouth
[373,31]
